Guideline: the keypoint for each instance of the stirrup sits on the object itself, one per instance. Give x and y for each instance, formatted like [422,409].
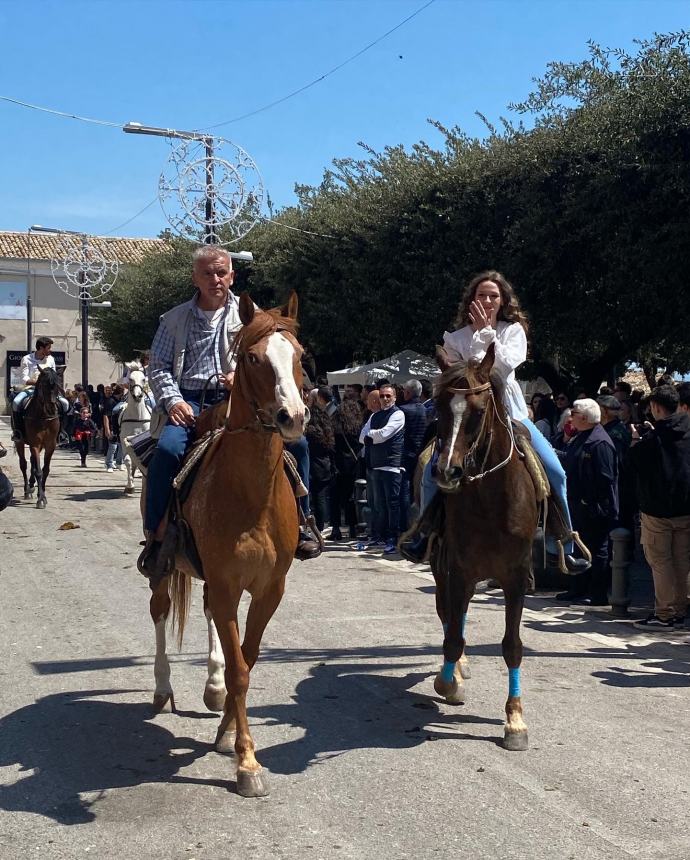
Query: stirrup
[577,540]
[311,524]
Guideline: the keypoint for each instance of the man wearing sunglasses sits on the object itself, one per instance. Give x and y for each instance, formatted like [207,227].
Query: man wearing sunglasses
[384,434]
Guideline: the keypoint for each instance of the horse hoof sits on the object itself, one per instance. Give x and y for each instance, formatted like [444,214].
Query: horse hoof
[465,671]
[252,783]
[515,741]
[129,491]
[160,700]
[214,699]
[225,743]
[453,693]
[41,503]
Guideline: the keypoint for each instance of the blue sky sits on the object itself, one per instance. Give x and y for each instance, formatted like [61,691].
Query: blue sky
[190,64]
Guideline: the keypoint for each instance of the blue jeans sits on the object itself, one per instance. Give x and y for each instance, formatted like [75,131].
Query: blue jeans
[114,455]
[386,511]
[173,444]
[300,451]
[554,472]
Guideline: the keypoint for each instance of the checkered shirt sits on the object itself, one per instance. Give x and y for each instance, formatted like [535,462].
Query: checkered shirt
[202,359]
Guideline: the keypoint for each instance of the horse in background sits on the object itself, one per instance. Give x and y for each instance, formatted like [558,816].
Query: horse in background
[135,418]
[41,430]
[491,513]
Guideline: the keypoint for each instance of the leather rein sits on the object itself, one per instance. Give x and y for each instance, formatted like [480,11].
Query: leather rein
[469,458]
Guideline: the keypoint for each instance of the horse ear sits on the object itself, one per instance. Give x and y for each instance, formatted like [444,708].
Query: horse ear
[442,358]
[246,309]
[487,364]
[290,309]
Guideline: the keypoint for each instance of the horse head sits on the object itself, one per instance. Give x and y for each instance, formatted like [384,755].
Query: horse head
[464,394]
[137,384]
[269,373]
[48,382]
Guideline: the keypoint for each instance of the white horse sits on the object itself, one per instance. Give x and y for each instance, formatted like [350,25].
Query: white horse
[135,419]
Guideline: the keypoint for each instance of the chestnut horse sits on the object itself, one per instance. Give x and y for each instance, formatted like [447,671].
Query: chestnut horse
[242,513]
[41,429]
[491,515]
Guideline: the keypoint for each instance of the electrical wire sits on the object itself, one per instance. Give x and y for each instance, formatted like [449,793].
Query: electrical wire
[104,122]
[321,77]
[129,220]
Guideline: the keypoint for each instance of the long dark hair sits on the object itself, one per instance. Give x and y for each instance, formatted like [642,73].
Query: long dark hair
[348,418]
[320,429]
[510,310]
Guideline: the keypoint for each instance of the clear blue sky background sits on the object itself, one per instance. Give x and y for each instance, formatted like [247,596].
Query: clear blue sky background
[190,64]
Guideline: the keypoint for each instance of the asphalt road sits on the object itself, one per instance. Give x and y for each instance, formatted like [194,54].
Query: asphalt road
[364,761]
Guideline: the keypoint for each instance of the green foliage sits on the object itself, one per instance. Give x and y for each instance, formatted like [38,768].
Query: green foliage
[584,206]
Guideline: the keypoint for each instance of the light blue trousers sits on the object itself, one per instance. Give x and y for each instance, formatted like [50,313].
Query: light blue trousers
[554,472]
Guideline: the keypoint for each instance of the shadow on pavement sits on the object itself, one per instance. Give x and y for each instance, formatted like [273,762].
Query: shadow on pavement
[93,495]
[75,742]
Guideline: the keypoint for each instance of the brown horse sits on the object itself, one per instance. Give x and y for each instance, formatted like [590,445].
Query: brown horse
[243,515]
[41,429]
[491,514]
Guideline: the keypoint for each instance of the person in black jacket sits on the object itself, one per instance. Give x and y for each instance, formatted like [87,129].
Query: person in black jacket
[659,463]
[84,430]
[347,423]
[415,427]
[591,468]
[321,440]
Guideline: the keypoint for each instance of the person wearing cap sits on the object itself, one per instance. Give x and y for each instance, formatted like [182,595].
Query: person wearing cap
[611,422]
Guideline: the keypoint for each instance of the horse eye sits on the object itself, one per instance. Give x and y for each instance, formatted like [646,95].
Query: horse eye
[252,358]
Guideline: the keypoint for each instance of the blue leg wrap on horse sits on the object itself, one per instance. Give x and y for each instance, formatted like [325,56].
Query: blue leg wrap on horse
[556,476]
[514,683]
[447,671]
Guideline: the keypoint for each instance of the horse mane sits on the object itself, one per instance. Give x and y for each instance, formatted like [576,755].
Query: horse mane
[457,372]
[263,324]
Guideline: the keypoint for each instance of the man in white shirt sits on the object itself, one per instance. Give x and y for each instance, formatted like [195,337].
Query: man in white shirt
[383,437]
[30,368]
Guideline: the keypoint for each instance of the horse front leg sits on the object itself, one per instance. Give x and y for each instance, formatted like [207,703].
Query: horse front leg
[214,691]
[159,607]
[37,478]
[515,729]
[450,681]
[129,486]
[19,448]
[250,779]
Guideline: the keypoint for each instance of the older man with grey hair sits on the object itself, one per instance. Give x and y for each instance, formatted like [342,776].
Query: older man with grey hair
[591,468]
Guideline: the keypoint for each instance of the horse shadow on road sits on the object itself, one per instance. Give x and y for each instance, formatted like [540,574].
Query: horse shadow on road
[73,742]
[80,742]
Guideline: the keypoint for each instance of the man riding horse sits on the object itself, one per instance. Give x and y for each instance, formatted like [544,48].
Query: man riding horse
[31,365]
[193,344]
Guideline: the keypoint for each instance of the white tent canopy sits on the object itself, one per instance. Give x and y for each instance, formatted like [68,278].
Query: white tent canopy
[400,367]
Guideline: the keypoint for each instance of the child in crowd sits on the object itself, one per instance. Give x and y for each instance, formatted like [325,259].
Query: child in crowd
[84,430]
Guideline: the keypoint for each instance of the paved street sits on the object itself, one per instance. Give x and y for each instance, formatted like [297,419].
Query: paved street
[364,761]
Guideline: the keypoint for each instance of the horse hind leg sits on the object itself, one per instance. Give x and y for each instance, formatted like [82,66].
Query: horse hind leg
[214,691]
[159,608]
[515,736]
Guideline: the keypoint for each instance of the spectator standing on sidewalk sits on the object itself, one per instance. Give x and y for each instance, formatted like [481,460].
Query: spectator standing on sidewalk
[660,465]
[321,441]
[114,454]
[591,467]
[347,424]
[611,422]
[415,428]
[383,436]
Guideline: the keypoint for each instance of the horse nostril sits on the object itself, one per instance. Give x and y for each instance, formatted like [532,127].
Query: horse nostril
[283,417]
[456,473]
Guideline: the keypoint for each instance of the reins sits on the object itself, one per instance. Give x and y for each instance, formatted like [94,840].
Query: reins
[469,456]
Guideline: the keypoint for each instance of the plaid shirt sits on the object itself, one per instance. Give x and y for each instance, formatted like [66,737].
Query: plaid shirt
[202,358]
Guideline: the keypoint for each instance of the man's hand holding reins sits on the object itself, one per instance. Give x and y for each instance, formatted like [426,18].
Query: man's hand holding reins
[227,379]
[181,414]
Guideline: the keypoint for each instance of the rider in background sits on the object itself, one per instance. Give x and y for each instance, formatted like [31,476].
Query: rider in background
[489,313]
[30,368]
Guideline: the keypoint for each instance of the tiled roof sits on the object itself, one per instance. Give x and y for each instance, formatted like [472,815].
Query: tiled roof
[44,246]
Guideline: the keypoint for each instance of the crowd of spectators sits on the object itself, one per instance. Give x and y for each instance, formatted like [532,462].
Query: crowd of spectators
[92,423]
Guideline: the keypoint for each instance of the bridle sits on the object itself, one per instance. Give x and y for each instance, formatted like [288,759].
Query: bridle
[469,459]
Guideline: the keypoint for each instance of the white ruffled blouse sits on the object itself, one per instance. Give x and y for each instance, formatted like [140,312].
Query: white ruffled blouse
[511,352]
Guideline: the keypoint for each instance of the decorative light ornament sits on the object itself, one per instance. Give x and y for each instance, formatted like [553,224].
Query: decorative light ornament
[211,190]
[83,269]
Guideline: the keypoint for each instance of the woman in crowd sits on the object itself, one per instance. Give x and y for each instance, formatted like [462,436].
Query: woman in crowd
[545,418]
[321,441]
[490,314]
[347,423]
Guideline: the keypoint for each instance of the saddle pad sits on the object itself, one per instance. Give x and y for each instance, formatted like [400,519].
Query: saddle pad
[185,477]
[142,447]
[535,468]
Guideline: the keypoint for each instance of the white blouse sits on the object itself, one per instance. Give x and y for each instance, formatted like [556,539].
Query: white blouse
[511,352]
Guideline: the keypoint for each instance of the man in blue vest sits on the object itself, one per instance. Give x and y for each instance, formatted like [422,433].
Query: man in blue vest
[384,434]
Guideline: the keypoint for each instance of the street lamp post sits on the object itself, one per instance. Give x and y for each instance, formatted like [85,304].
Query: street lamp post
[207,140]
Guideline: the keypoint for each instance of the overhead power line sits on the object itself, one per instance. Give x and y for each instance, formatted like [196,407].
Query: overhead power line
[111,124]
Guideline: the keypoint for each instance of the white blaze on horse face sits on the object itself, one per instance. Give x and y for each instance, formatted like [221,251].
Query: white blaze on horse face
[457,407]
[281,353]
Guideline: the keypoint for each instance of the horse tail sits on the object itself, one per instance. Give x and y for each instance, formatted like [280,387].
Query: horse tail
[180,591]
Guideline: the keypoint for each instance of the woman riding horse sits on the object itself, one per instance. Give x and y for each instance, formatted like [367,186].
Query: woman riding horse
[490,314]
